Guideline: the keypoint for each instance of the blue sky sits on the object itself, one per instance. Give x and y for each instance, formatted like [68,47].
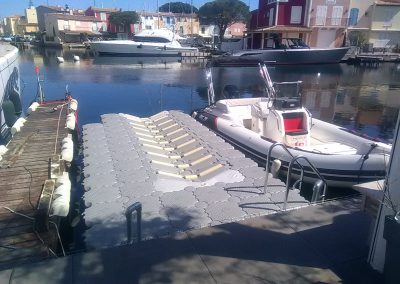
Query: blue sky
[16,7]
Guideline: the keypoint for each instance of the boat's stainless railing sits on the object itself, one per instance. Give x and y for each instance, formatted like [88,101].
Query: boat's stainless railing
[135,207]
[316,189]
[315,197]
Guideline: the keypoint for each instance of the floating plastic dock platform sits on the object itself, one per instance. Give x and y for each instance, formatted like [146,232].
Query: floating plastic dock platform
[184,175]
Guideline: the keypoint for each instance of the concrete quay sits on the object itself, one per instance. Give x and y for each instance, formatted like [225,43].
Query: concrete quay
[184,175]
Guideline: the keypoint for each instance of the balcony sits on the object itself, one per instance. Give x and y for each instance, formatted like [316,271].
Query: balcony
[328,22]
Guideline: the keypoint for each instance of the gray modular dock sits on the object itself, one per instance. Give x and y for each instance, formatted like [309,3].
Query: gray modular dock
[184,175]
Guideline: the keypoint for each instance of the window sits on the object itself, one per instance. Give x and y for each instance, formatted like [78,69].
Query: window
[203,30]
[271,17]
[337,13]
[353,19]
[121,28]
[103,17]
[295,17]
[389,14]
[147,27]
[181,29]
[168,20]
[321,15]
[150,39]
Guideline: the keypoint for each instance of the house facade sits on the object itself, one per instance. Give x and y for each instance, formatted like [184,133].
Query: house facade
[385,24]
[11,25]
[182,24]
[67,28]
[29,23]
[43,10]
[286,18]
[328,20]
[102,14]
[235,30]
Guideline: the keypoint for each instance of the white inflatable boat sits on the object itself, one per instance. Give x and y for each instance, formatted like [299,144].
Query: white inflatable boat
[255,124]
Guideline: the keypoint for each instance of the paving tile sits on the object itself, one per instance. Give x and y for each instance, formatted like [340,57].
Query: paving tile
[211,194]
[225,211]
[178,199]
[259,205]
[186,218]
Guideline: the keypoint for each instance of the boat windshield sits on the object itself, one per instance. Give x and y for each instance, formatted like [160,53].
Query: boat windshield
[238,82]
[287,89]
[150,39]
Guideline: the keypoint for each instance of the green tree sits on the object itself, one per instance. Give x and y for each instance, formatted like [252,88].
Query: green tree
[178,7]
[124,18]
[223,13]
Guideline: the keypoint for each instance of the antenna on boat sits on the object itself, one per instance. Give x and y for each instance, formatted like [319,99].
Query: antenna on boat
[40,93]
[210,89]
[267,79]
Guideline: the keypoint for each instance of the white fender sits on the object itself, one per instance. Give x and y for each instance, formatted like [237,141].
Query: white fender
[275,167]
[67,154]
[3,150]
[60,206]
[17,125]
[33,107]
[73,104]
[64,190]
[71,121]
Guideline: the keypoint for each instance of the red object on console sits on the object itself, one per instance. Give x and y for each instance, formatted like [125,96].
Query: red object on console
[294,124]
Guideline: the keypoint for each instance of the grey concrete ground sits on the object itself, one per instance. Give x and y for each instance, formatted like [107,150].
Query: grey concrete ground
[325,243]
[120,169]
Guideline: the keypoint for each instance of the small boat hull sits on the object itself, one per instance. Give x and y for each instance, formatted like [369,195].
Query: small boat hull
[339,170]
[295,56]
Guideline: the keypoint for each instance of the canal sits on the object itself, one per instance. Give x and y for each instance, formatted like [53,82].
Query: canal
[360,98]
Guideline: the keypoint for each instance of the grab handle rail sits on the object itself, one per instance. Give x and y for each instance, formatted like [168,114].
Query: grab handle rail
[278,144]
[135,207]
[295,160]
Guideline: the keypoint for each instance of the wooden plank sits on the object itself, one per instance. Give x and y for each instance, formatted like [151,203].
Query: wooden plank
[23,172]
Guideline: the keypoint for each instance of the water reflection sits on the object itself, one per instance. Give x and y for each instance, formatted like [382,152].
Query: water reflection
[360,98]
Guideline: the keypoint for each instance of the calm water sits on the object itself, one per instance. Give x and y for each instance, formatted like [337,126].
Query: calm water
[360,98]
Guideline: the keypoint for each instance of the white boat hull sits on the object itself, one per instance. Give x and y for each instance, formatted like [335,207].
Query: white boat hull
[131,48]
[10,99]
[339,169]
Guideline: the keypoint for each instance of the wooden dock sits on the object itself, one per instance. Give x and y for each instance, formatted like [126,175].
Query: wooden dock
[23,171]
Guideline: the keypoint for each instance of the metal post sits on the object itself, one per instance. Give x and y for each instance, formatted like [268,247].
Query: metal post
[137,206]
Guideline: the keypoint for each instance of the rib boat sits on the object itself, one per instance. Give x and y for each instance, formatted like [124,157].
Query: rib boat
[255,124]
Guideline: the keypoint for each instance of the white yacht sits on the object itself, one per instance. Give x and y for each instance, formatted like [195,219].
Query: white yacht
[161,42]
[10,100]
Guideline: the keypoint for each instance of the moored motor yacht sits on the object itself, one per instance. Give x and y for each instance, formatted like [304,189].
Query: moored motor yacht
[286,51]
[10,99]
[161,42]
[254,125]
